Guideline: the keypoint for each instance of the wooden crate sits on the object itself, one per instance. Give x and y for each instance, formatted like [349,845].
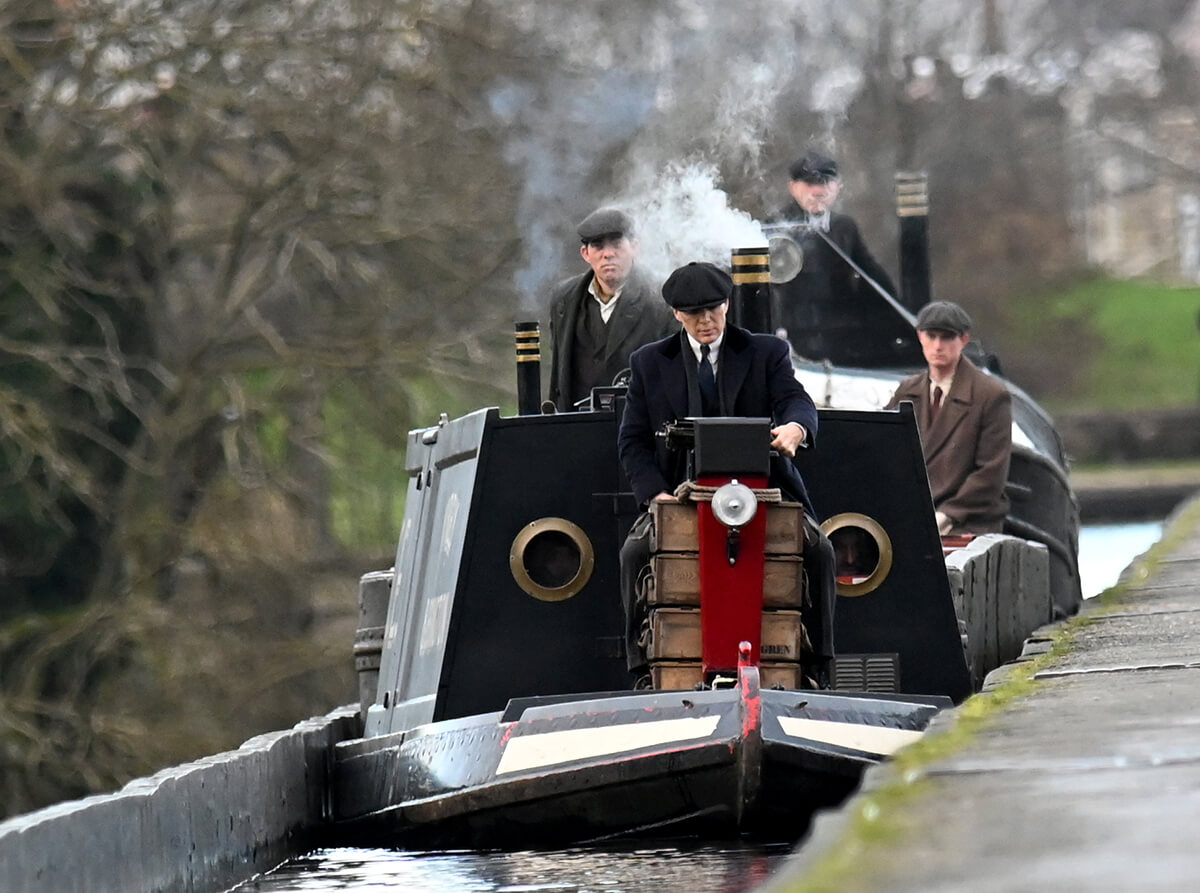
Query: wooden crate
[773,674]
[687,675]
[676,675]
[675,580]
[785,529]
[675,528]
[675,635]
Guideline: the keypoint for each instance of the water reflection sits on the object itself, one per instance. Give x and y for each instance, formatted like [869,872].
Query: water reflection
[728,868]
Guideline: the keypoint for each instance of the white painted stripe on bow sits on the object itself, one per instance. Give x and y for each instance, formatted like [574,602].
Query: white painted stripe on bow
[871,739]
[551,748]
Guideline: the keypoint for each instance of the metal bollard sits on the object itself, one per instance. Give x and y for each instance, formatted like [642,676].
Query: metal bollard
[374,590]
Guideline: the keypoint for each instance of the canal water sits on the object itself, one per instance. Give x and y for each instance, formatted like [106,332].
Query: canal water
[1107,549]
[644,867]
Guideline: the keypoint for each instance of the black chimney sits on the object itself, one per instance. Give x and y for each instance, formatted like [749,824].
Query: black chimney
[750,306]
[912,207]
[529,368]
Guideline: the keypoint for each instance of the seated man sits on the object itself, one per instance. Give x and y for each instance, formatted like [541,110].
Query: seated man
[965,418]
[715,369]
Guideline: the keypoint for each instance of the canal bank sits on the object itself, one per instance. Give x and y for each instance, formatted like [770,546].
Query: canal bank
[1078,767]
[1145,491]
[210,824]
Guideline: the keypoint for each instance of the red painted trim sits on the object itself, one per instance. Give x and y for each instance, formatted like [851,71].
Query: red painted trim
[730,595]
[749,755]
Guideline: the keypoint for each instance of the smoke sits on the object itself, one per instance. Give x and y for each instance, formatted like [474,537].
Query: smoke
[685,113]
[555,134]
[683,215]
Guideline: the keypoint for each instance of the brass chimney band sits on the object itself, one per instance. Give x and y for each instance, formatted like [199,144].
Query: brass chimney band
[912,195]
[751,266]
[529,346]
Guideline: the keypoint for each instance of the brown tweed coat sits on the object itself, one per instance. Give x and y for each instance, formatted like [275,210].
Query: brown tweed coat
[967,447]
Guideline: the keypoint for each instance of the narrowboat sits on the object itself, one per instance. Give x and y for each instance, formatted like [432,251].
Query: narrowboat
[497,707]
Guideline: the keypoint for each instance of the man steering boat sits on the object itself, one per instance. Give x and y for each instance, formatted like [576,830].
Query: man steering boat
[712,368]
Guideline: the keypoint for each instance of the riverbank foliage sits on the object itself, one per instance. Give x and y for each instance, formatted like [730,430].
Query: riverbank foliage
[1129,345]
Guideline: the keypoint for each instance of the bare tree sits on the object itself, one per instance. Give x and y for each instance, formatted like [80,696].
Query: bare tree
[228,223]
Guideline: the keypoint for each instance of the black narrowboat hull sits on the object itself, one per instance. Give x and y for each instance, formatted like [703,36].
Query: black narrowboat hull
[550,771]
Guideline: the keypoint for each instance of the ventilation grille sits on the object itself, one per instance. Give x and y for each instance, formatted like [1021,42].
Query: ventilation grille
[867,672]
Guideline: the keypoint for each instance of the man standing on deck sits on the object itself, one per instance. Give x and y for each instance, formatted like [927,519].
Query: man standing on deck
[965,418]
[714,369]
[599,318]
[825,277]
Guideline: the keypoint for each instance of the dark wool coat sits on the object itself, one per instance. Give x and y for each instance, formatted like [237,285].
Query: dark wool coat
[641,316]
[826,277]
[967,447]
[755,379]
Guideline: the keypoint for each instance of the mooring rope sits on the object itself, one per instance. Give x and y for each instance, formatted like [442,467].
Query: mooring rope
[690,491]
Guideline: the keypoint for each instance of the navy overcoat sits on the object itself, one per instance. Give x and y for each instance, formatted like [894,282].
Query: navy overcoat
[755,378]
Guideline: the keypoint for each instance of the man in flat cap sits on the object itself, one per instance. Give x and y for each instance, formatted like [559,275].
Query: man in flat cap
[965,418]
[714,369]
[826,282]
[599,317]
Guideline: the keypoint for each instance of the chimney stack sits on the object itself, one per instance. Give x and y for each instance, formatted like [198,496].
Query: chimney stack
[912,207]
[529,368]
[750,306]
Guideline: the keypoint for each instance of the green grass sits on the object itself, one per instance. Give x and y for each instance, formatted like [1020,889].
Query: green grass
[1132,344]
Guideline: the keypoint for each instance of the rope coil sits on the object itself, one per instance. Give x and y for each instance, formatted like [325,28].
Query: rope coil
[690,491]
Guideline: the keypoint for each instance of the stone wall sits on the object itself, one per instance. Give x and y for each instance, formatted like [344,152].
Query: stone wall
[206,825]
[1121,437]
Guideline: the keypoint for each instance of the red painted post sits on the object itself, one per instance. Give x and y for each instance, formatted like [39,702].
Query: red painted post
[731,595]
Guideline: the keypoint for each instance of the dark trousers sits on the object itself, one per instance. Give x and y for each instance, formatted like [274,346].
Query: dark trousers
[817,613]
[635,564]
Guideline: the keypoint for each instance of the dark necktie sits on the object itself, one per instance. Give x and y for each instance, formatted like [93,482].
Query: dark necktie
[708,383]
[937,399]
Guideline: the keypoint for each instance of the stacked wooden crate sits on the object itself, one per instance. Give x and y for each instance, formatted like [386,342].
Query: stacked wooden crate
[672,594]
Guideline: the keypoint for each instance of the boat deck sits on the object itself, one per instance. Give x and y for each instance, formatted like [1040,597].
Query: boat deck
[1084,777]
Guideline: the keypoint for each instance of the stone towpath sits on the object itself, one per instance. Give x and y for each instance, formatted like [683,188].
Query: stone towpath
[1076,769]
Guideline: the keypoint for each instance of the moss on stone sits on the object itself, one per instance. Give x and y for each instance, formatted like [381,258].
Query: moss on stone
[878,816]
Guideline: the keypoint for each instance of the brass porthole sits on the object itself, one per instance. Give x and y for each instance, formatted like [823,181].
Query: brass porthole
[551,559]
[863,552]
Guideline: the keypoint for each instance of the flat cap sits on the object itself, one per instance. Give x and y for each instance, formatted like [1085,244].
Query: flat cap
[697,286]
[605,222]
[943,316]
[813,167]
